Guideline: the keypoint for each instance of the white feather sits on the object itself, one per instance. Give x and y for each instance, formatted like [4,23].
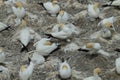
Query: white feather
[63,18]
[117,64]
[66,31]
[43,49]
[5,74]
[104,21]
[52,9]
[2,26]
[25,36]
[71,47]
[2,56]
[93,13]
[19,12]
[38,59]
[24,75]
[116,3]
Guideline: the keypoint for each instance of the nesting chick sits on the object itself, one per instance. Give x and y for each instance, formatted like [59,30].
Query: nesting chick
[65,71]
[64,31]
[106,34]
[4,73]
[37,58]
[117,65]
[26,71]
[44,47]
[93,11]
[4,27]
[52,7]
[19,11]
[63,17]
[95,76]
[2,55]
[108,23]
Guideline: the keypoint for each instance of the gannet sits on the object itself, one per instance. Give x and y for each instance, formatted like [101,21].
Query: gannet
[93,11]
[52,7]
[65,71]
[44,47]
[63,17]
[95,76]
[26,71]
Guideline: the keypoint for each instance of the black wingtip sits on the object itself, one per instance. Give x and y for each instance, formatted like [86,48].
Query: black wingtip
[40,4]
[29,60]
[117,49]
[3,64]
[84,50]
[58,47]
[23,49]
[49,35]
[106,5]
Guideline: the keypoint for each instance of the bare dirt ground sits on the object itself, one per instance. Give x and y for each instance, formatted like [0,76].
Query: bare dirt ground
[79,61]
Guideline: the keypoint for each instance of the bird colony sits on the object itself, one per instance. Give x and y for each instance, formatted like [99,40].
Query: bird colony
[59,40]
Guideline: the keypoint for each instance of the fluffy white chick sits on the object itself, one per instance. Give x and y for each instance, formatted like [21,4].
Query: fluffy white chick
[37,58]
[2,55]
[19,11]
[44,47]
[95,76]
[93,11]
[26,71]
[3,26]
[52,7]
[65,71]
[63,17]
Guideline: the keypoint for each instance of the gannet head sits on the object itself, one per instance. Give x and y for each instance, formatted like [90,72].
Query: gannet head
[22,68]
[97,71]
[61,25]
[96,5]
[47,43]
[1,49]
[61,12]
[89,45]
[18,4]
[108,25]
[23,23]
[54,1]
